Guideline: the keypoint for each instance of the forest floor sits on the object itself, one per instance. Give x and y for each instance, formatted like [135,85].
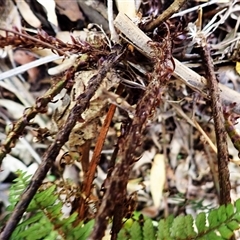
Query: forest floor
[173,165]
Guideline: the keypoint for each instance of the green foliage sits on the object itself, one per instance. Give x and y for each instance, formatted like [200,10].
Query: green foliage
[217,224]
[148,230]
[136,231]
[43,218]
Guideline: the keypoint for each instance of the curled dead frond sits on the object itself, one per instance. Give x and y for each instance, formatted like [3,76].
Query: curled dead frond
[43,40]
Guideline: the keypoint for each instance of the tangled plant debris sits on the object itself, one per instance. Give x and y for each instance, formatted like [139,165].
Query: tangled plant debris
[124,116]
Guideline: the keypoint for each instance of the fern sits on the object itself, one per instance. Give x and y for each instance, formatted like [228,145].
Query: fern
[218,224]
[148,230]
[136,231]
[43,218]
[16,189]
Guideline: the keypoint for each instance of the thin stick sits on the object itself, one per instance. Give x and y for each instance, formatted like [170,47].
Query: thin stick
[174,7]
[27,66]
[195,124]
[221,135]
[47,45]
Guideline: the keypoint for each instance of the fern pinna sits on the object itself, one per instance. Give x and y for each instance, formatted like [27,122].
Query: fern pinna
[218,224]
[43,218]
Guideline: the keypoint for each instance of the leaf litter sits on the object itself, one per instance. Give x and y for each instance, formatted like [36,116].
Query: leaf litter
[176,169]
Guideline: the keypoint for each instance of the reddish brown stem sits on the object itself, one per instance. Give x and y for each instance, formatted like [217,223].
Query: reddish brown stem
[87,185]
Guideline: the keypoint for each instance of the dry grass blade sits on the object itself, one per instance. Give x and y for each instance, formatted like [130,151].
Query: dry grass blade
[28,66]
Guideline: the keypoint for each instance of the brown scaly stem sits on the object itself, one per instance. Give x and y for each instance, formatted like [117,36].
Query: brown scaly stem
[221,135]
[87,184]
[116,194]
[39,107]
[174,7]
[61,138]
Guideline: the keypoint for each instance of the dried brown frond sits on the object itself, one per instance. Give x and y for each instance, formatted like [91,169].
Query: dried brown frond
[114,205]
[16,38]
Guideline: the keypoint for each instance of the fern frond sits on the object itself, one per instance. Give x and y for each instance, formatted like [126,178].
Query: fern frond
[148,230]
[218,224]
[136,231]
[35,231]
[164,228]
[20,183]
[123,234]
[43,218]
[82,231]
[182,228]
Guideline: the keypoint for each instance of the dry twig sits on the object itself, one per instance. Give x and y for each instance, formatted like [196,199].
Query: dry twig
[221,134]
[87,184]
[174,7]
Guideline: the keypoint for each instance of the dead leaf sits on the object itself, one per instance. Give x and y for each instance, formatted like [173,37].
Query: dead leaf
[9,16]
[28,14]
[67,63]
[88,129]
[69,8]
[179,141]
[15,109]
[11,164]
[181,176]
[49,6]
[146,157]
[150,212]
[157,179]
[22,57]
[128,7]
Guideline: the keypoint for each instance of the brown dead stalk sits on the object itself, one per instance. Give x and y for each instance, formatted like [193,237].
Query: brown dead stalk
[87,184]
[43,40]
[221,135]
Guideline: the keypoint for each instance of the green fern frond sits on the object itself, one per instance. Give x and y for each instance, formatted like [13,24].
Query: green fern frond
[182,228]
[20,183]
[34,231]
[218,224]
[164,228]
[123,234]
[148,230]
[82,231]
[43,218]
[136,231]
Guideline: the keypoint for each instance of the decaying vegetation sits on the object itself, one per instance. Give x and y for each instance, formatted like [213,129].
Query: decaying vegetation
[128,114]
